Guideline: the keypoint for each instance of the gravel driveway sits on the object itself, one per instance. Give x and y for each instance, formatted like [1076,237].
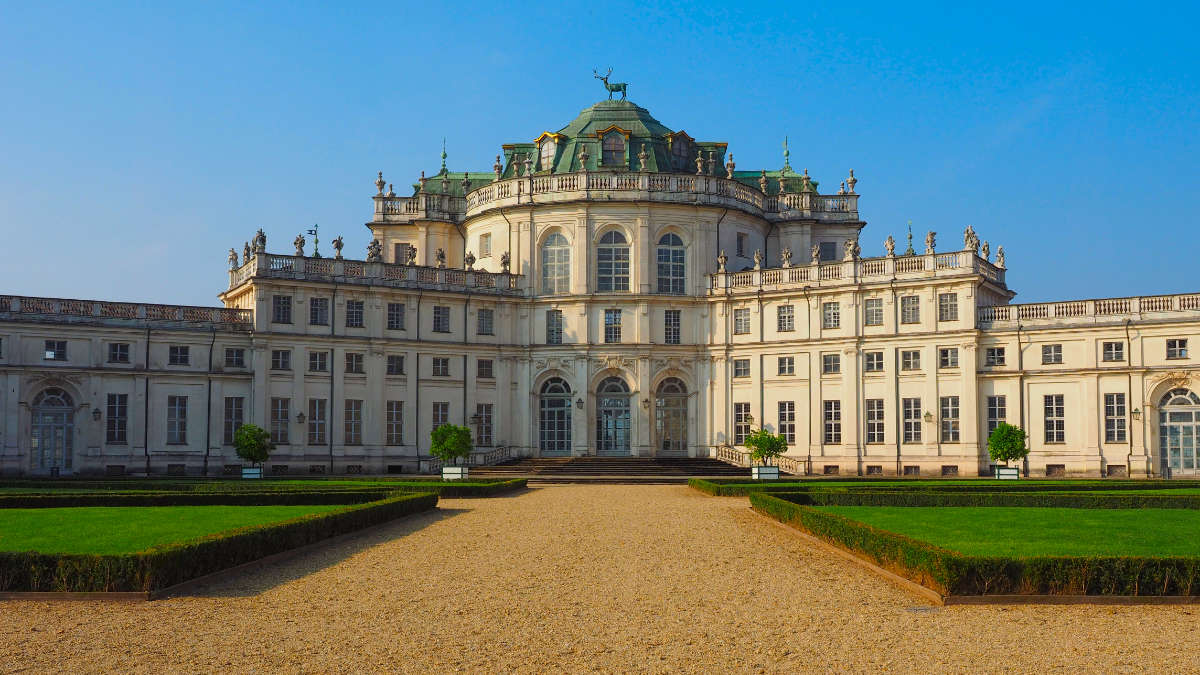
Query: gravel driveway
[583,578]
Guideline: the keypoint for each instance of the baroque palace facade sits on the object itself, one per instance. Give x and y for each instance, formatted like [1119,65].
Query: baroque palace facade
[612,288]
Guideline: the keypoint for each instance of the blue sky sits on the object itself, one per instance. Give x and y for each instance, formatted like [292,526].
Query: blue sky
[139,143]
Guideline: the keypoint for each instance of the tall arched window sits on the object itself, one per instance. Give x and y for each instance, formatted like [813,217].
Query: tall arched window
[546,158]
[556,264]
[1178,432]
[612,417]
[670,418]
[614,148]
[51,443]
[670,264]
[612,263]
[554,421]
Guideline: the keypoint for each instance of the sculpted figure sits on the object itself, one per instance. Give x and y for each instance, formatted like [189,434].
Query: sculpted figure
[970,240]
[930,242]
[246,251]
[374,251]
[440,257]
[498,168]
[757,259]
[699,162]
[816,254]
[785,256]
[505,262]
[729,167]
[583,157]
[469,261]
[642,157]
[412,255]
[850,249]
[298,242]
[889,245]
[762,181]
[722,259]
[260,241]
[987,251]
[337,247]
[233,259]
[1000,257]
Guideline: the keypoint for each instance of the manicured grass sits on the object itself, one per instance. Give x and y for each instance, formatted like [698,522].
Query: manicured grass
[1031,531]
[105,530]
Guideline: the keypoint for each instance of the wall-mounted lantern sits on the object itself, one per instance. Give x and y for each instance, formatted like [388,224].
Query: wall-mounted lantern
[579,403]
[300,418]
[928,417]
[96,414]
[1136,414]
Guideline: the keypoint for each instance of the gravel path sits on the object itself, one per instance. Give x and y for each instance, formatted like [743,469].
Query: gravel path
[583,578]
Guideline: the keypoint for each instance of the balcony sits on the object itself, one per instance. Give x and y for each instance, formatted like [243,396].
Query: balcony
[358,272]
[96,312]
[1077,312]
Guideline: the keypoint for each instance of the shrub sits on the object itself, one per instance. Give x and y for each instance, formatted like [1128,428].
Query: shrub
[450,442]
[765,446]
[252,443]
[1007,443]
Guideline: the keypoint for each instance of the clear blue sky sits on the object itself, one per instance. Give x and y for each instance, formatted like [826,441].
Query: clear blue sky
[137,144]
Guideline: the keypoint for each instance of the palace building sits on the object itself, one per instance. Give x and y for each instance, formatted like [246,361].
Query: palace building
[612,288]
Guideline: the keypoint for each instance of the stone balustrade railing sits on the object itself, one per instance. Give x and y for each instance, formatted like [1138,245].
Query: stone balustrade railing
[489,457]
[273,266]
[1087,311]
[664,187]
[19,308]
[852,271]
[731,455]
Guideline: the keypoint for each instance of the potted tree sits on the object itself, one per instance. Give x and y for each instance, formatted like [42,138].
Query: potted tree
[765,447]
[253,444]
[450,443]
[1005,444]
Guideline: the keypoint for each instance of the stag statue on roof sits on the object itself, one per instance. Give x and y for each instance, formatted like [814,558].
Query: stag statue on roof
[614,87]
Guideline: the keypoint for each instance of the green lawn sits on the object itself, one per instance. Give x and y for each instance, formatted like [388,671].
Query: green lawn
[1039,531]
[103,529]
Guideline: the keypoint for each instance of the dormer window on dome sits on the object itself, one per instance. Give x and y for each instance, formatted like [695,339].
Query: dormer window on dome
[681,151]
[614,149]
[546,154]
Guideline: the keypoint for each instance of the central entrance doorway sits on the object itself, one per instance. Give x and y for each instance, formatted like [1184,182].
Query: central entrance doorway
[1179,433]
[612,418]
[52,433]
[554,420]
[670,418]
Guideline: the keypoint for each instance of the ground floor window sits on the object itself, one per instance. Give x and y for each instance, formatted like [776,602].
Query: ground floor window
[874,420]
[787,421]
[394,432]
[832,412]
[1114,418]
[949,417]
[741,423]
[912,419]
[612,417]
[317,422]
[1055,418]
[997,412]
[483,414]
[554,419]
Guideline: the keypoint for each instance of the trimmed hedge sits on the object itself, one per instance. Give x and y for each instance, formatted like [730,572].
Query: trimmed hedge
[453,488]
[1070,500]
[163,566]
[479,488]
[277,498]
[952,573]
[741,488]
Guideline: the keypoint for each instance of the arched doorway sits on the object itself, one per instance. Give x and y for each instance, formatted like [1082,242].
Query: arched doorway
[612,418]
[1179,433]
[670,418]
[51,440]
[554,420]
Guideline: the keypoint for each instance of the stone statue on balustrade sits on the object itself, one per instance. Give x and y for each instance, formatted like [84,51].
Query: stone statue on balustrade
[260,241]
[785,257]
[412,255]
[440,257]
[729,167]
[498,168]
[722,260]
[758,258]
[469,261]
[889,245]
[642,157]
[505,262]
[762,181]
[466,183]
[699,162]
[246,252]
[970,240]
[374,251]
[712,160]
[987,251]
[930,242]
[816,254]
[337,247]
[1000,257]
[583,156]
[298,242]
[851,249]
[233,259]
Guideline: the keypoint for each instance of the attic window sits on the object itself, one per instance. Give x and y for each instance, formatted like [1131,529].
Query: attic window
[546,158]
[614,148]
[681,151]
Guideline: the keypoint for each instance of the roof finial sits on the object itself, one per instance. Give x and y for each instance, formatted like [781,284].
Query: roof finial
[787,154]
[909,250]
[443,154]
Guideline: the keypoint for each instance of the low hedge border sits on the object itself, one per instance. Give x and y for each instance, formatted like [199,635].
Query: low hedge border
[278,498]
[164,566]
[954,574]
[741,488]
[1070,500]
[480,488]
[464,488]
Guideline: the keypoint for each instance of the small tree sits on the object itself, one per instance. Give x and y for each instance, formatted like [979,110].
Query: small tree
[765,446]
[253,443]
[1007,443]
[450,442]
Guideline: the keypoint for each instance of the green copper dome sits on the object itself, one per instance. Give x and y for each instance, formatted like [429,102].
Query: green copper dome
[624,114]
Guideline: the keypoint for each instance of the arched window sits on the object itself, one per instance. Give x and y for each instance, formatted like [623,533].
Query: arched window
[614,148]
[554,421]
[556,265]
[670,418]
[546,158]
[1179,433]
[51,442]
[53,398]
[670,264]
[612,263]
[1179,397]
[612,417]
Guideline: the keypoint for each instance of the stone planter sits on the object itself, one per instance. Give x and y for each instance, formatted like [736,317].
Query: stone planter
[764,472]
[454,473]
[1008,473]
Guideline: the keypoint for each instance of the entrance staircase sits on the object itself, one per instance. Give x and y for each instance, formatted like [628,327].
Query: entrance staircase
[647,470]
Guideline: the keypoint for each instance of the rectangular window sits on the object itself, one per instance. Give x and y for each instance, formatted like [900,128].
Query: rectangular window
[1177,348]
[56,350]
[741,321]
[671,326]
[741,367]
[235,357]
[910,309]
[873,362]
[997,412]
[354,363]
[554,327]
[118,352]
[912,419]
[395,364]
[441,413]
[394,432]
[318,311]
[787,365]
[831,315]
[612,326]
[235,416]
[1114,418]
[787,421]
[281,359]
[910,359]
[948,357]
[1056,418]
[827,251]
[833,421]
[947,306]
[318,424]
[993,356]
[831,364]
[950,428]
[177,420]
[395,316]
[1114,351]
[741,244]
[1051,354]
[484,433]
[318,362]
[117,419]
[785,318]
[178,355]
[483,369]
[441,366]
[401,252]
[875,420]
[354,314]
[741,423]
[352,422]
[484,324]
[485,245]
[441,319]
[281,309]
[280,408]
[873,311]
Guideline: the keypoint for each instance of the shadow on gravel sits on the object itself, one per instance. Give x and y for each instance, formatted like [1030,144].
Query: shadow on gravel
[261,578]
